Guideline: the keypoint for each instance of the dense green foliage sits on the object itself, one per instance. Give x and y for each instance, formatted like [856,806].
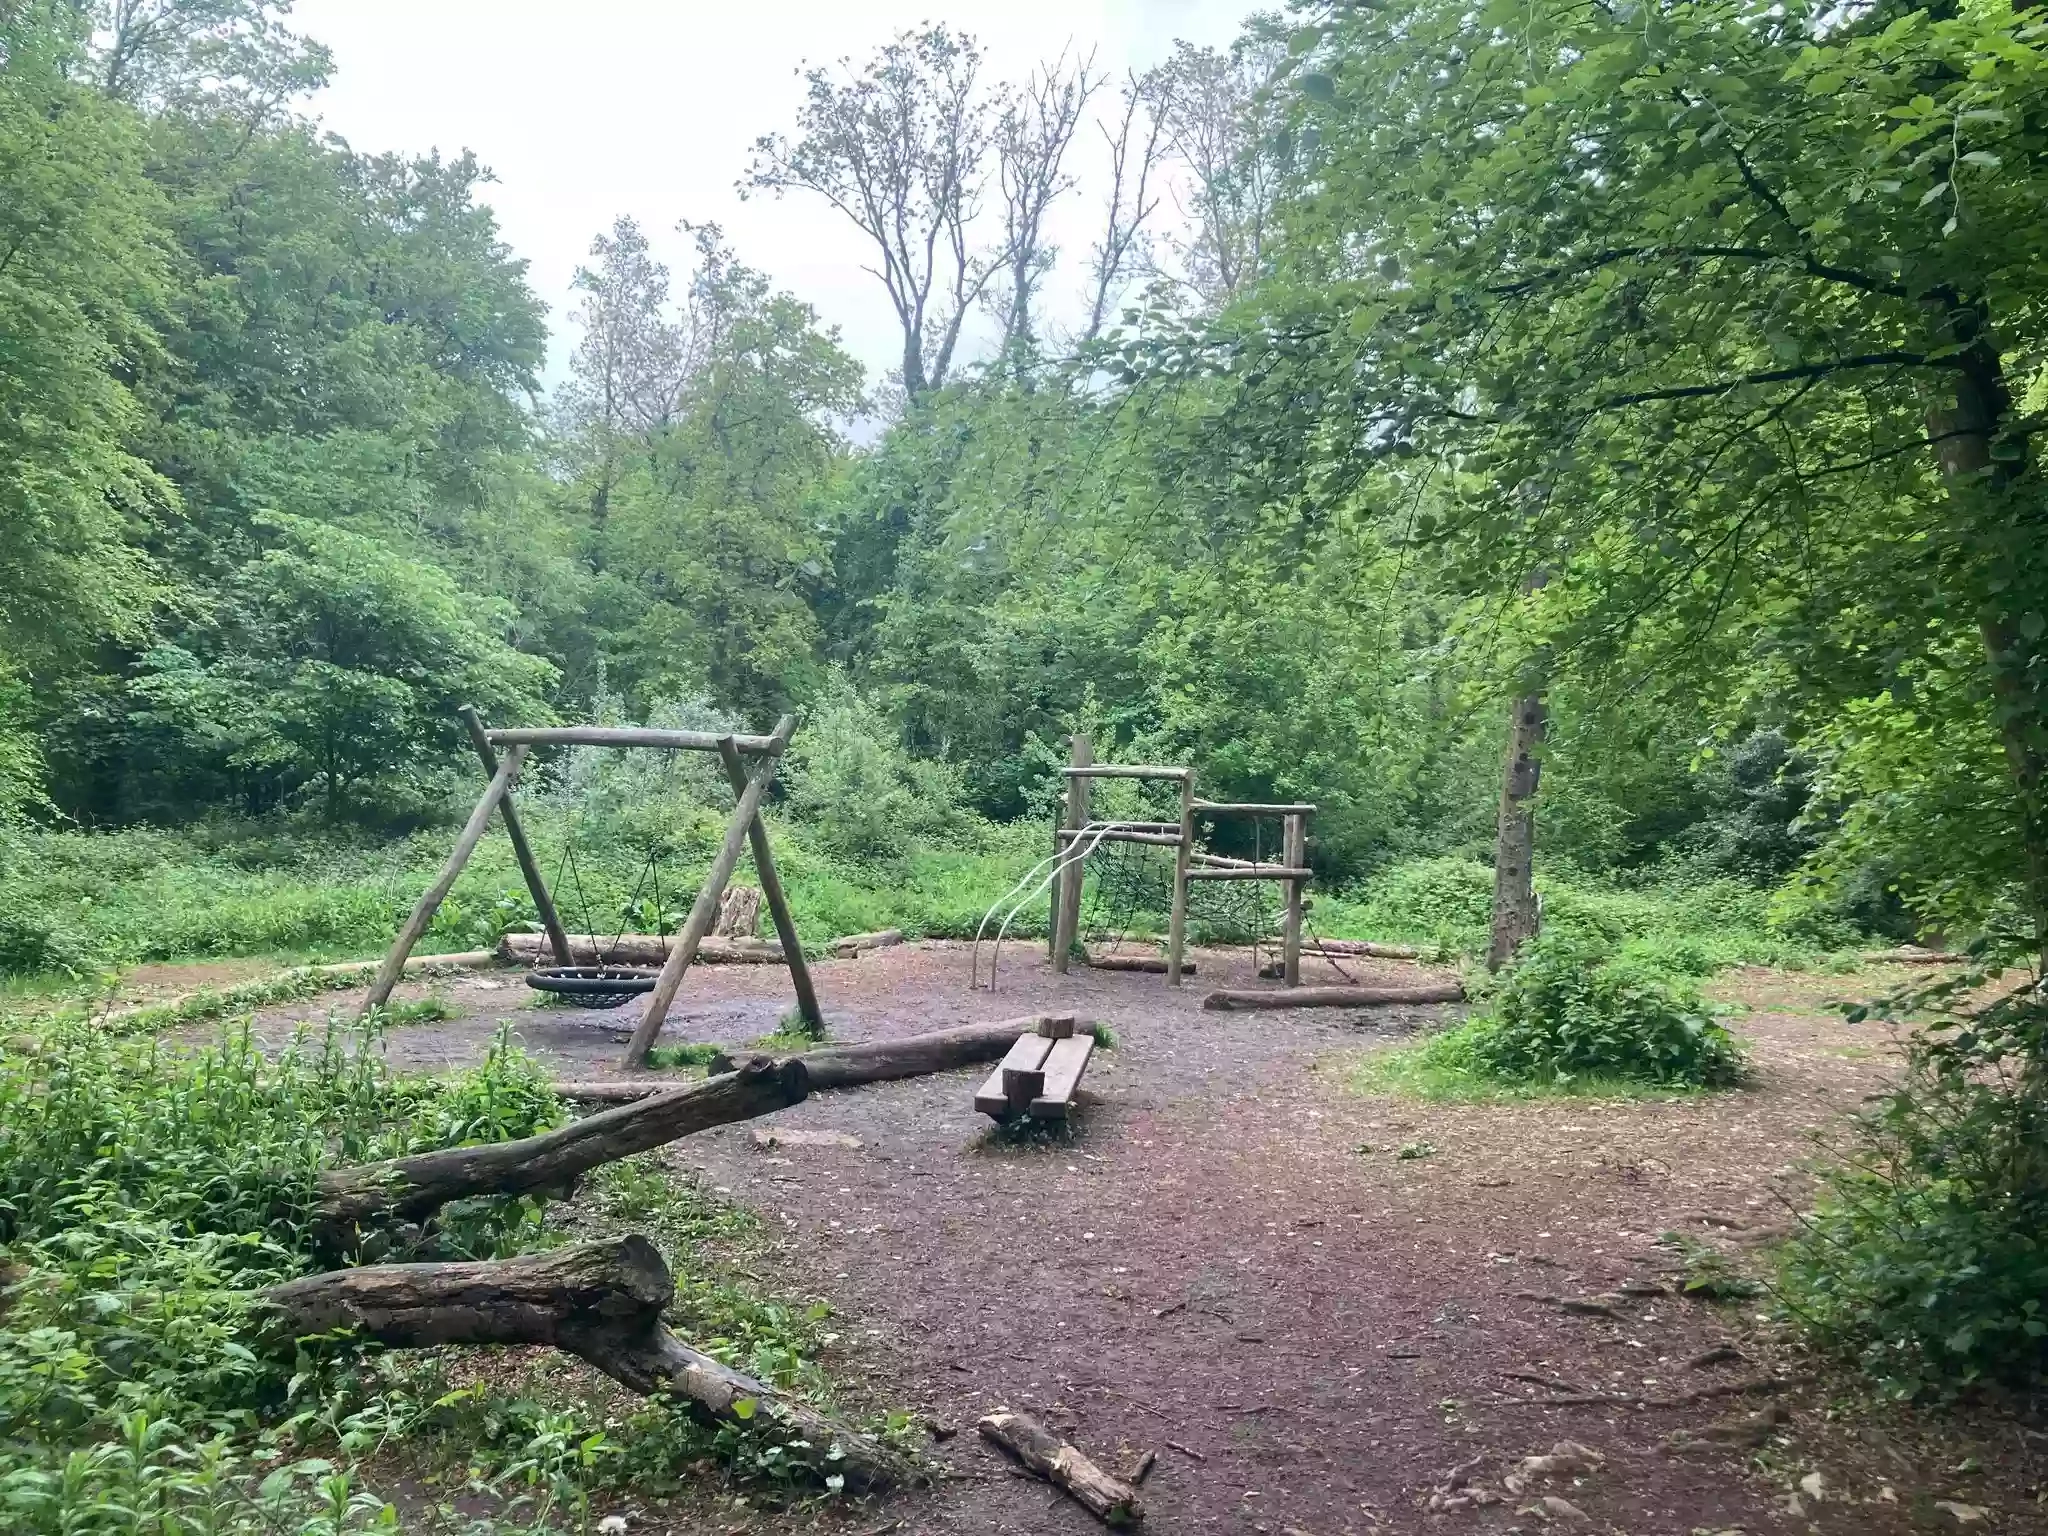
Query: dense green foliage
[1925,1261]
[1576,1015]
[147,1195]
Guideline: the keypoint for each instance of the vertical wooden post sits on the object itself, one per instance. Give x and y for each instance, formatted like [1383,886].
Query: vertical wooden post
[771,892]
[422,914]
[1294,854]
[705,911]
[1177,924]
[1515,914]
[543,903]
[1066,900]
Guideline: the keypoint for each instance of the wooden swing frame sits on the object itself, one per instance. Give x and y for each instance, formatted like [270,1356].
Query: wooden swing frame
[743,827]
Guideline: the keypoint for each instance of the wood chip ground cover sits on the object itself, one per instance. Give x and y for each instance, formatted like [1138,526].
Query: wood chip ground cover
[1313,1338]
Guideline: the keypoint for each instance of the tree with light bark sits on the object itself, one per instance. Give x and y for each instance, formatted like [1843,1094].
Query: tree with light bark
[900,146]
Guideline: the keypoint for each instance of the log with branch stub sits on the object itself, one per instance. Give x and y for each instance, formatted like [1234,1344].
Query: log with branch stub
[877,1061]
[1365,947]
[1334,997]
[601,1302]
[636,949]
[407,1192]
[1107,1497]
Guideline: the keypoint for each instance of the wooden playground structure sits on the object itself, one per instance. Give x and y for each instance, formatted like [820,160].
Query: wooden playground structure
[1080,836]
[743,827]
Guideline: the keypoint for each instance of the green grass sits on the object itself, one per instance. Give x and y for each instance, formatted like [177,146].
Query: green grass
[148,1195]
[1415,1072]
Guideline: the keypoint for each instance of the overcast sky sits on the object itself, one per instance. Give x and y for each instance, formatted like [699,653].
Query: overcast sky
[640,107]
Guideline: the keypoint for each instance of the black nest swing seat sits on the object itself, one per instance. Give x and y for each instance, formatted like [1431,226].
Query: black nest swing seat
[602,985]
[592,986]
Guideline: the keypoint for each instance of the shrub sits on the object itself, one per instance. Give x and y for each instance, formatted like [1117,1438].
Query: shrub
[1927,1257]
[1569,1009]
[861,794]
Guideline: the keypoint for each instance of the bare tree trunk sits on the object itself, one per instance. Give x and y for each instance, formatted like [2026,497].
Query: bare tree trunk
[1979,484]
[407,1192]
[881,1061]
[1515,917]
[601,1302]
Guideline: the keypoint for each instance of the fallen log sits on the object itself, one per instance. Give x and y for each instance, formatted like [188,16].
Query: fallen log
[877,1061]
[1108,1498]
[1911,954]
[636,949]
[601,1302]
[407,1192]
[1334,997]
[854,945]
[1365,947]
[1151,964]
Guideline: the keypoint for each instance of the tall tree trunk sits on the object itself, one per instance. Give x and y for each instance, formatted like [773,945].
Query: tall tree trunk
[1514,848]
[1983,487]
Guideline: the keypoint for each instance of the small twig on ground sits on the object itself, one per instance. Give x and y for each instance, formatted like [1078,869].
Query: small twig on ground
[1169,1309]
[1629,1400]
[1570,1304]
[1720,1354]
[1138,1402]
[1186,1450]
[1536,1380]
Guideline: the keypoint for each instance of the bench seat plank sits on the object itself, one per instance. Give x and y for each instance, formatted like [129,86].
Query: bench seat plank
[1017,1080]
[1064,1065]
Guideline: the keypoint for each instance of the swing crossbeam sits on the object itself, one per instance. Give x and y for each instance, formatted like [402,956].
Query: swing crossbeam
[630,736]
[744,829]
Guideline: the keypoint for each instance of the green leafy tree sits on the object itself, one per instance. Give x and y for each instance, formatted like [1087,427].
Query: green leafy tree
[83,266]
[1718,313]
[341,669]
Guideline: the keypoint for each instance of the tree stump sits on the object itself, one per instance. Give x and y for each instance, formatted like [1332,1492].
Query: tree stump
[739,913]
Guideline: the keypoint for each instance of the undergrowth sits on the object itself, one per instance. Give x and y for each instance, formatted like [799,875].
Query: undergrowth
[1571,1017]
[149,1195]
[1926,1261]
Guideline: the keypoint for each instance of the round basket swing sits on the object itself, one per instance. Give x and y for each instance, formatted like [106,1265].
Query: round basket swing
[602,985]
[592,986]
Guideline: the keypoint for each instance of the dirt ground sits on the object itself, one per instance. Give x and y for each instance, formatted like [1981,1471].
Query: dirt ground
[1327,1312]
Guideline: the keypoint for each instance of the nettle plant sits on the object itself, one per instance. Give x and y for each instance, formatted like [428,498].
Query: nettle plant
[1570,1008]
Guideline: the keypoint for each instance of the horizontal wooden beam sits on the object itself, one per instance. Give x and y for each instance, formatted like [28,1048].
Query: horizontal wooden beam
[624,736]
[1128,771]
[1251,872]
[1246,808]
[1335,997]
[1163,839]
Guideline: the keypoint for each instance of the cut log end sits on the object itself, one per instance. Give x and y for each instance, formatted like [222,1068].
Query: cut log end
[601,1302]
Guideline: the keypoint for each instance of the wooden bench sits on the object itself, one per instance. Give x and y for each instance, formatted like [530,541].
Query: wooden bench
[1039,1075]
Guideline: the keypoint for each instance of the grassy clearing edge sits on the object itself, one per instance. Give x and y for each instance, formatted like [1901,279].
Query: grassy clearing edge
[1408,1072]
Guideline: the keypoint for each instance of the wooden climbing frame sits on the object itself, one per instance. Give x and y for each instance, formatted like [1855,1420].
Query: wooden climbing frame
[1190,863]
[743,827]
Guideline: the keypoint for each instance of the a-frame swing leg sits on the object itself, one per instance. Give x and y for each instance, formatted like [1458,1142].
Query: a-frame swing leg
[543,903]
[778,903]
[705,911]
[1177,919]
[422,914]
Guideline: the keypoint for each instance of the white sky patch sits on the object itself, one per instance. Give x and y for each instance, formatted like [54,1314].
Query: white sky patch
[608,107]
